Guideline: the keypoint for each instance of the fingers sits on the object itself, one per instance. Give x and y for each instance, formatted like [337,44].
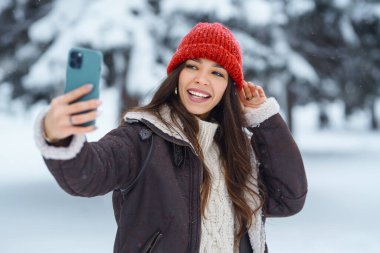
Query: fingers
[84,117]
[252,95]
[252,91]
[74,94]
[247,91]
[241,94]
[83,106]
[260,91]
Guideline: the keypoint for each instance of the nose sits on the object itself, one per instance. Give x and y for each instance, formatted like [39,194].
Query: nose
[202,78]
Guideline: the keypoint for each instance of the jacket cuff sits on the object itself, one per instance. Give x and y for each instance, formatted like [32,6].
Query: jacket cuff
[255,116]
[49,151]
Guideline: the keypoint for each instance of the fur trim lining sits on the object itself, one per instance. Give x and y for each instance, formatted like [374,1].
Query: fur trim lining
[256,116]
[256,233]
[52,152]
[170,130]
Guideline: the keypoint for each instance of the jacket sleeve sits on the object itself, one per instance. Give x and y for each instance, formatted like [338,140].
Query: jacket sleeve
[89,169]
[281,168]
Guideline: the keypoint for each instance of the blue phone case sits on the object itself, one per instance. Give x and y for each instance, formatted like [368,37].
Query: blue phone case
[83,67]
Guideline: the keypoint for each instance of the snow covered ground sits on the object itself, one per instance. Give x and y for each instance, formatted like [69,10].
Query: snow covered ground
[339,216]
[341,211]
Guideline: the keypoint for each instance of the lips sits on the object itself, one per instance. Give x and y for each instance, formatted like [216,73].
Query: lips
[198,96]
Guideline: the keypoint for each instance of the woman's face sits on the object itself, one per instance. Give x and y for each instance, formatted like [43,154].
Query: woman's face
[201,86]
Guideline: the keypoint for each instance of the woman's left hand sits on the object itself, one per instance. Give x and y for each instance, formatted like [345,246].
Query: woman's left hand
[252,96]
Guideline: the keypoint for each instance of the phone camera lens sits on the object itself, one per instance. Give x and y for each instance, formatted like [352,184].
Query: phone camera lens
[76,59]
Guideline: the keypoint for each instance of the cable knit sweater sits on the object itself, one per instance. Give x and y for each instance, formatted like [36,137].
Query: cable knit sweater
[218,224]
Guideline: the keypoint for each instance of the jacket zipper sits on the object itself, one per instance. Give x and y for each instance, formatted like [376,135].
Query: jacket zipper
[152,242]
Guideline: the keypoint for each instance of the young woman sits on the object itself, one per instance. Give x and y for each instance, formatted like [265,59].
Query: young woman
[198,169]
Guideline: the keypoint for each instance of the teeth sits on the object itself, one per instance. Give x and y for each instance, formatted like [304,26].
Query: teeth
[198,94]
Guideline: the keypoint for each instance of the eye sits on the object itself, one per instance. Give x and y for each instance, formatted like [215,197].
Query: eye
[191,66]
[218,74]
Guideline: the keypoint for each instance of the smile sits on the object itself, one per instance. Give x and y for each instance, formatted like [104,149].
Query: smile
[198,94]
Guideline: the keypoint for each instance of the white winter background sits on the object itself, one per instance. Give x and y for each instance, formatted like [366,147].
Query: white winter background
[342,162]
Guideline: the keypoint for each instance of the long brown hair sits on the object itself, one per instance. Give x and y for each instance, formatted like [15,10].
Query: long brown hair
[230,137]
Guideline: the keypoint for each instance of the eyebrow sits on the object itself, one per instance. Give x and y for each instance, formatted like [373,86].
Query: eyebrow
[200,61]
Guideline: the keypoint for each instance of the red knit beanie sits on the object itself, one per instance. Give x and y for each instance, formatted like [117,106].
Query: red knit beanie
[214,42]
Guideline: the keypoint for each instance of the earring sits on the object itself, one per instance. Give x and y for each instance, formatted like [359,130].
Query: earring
[176,91]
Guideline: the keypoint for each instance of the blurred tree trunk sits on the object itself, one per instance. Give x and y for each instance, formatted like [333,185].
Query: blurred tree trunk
[323,117]
[290,102]
[117,62]
[372,109]
[127,101]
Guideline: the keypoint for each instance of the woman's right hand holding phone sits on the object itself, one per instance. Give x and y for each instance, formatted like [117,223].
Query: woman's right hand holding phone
[62,120]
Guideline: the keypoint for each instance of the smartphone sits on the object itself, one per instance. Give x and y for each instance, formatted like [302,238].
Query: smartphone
[83,67]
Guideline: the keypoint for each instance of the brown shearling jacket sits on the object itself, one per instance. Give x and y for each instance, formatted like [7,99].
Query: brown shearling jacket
[160,212]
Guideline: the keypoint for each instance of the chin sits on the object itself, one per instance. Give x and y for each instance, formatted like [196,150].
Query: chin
[197,112]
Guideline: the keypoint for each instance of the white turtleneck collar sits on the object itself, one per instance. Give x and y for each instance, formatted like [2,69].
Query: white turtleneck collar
[206,129]
[206,134]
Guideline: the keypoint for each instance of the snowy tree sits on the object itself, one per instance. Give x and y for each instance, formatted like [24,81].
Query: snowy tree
[17,54]
[124,33]
[340,39]
[365,19]
[300,51]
